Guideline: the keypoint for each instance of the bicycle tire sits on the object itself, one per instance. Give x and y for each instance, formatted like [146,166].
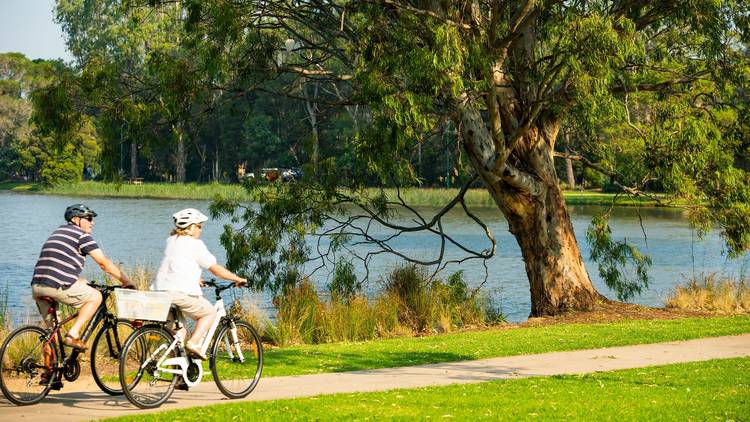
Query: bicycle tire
[234,378]
[105,363]
[25,365]
[133,379]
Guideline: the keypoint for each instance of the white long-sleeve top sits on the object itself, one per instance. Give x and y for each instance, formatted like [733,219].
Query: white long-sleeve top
[185,258]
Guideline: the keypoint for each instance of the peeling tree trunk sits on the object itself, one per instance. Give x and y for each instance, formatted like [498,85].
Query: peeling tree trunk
[181,154]
[133,158]
[531,200]
[569,164]
[215,168]
[557,276]
[312,115]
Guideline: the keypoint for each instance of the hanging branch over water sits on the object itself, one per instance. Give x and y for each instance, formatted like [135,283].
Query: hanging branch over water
[271,246]
[358,230]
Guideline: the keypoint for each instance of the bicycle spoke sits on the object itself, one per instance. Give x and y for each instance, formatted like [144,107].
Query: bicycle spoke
[24,374]
[105,356]
[145,385]
[237,360]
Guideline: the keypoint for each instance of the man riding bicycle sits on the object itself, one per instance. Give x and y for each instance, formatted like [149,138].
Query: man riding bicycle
[57,272]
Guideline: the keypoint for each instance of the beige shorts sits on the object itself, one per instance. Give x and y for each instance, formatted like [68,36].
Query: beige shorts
[195,307]
[76,296]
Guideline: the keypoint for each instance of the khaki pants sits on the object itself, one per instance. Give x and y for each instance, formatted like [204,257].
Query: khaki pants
[196,307]
[76,296]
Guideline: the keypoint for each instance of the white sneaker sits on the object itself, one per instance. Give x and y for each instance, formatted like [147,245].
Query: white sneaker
[194,350]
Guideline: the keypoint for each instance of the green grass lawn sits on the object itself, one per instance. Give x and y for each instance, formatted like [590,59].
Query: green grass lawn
[19,186]
[711,390]
[207,191]
[339,357]
[406,351]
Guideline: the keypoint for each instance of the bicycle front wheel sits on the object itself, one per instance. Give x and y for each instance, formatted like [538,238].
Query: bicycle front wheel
[144,383]
[105,356]
[237,359]
[24,374]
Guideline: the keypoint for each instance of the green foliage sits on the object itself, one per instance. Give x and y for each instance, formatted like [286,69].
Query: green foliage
[270,247]
[408,304]
[29,92]
[613,258]
[296,315]
[344,284]
[655,94]
[411,286]
[65,167]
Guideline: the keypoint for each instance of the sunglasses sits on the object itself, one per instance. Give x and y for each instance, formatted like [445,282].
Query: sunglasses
[88,217]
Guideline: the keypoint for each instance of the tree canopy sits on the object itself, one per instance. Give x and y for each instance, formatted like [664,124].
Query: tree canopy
[653,96]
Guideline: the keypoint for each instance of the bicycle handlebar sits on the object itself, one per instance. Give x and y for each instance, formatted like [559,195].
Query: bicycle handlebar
[217,286]
[103,287]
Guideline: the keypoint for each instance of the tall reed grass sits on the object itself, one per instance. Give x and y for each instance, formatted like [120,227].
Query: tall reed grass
[150,190]
[409,303]
[713,294]
[5,321]
[208,191]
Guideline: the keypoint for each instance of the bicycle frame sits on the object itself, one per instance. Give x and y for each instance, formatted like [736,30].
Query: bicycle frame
[184,362]
[102,313]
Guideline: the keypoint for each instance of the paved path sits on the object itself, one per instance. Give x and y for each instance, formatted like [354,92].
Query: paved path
[82,400]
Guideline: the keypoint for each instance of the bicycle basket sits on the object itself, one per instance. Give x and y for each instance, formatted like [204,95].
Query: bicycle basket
[134,304]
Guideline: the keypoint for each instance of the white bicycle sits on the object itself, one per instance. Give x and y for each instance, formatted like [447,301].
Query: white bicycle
[154,360]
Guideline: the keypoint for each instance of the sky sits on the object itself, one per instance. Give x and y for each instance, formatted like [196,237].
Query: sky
[28,27]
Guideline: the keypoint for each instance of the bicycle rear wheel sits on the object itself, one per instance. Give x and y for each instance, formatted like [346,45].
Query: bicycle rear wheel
[105,356]
[237,360]
[144,385]
[22,366]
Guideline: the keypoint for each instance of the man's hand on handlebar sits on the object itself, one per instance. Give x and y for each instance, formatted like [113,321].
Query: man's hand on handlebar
[241,282]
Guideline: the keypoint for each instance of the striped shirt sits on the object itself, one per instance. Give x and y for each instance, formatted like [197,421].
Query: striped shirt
[62,257]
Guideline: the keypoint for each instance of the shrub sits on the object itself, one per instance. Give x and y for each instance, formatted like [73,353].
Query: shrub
[409,285]
[351,320]
[295,318]
[709,293]
[344,284]
[250,312]
[386,310]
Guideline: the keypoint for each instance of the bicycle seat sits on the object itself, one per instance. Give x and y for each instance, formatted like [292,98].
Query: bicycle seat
[47,299]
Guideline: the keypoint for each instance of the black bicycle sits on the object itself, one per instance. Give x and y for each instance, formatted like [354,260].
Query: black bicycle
[33,360]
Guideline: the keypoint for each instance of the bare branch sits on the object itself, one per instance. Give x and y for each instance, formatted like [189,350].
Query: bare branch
[418,11]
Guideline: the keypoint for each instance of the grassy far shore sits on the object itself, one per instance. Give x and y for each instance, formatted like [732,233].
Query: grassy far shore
[417,197]
[339,357]
[717,389]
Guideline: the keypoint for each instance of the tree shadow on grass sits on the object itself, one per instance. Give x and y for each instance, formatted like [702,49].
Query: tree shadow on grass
[280,362]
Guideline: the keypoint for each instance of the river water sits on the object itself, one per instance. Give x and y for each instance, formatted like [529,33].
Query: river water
[132,232]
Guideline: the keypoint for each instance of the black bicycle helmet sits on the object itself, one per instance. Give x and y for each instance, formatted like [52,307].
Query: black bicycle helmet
[78,210]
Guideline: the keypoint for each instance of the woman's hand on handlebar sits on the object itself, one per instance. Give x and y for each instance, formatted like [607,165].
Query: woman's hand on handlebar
[241,282]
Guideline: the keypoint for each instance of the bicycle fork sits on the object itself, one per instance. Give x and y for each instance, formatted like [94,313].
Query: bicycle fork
[235,343]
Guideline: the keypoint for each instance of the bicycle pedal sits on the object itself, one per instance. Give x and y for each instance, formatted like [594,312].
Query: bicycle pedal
[181,386]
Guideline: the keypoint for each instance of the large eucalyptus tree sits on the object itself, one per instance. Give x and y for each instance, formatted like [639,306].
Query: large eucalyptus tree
[507,75]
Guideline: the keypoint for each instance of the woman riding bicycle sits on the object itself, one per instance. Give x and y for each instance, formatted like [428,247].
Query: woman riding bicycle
[179,275]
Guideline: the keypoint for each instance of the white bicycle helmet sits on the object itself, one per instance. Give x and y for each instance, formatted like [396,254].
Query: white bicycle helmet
[183,219]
